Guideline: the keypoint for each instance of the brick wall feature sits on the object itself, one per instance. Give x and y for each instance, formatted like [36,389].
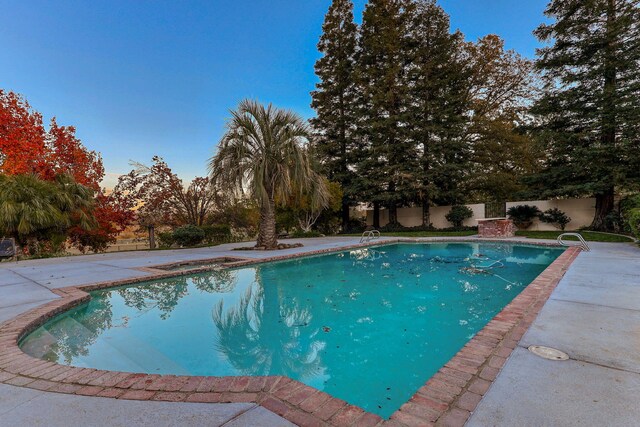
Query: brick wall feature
[496,227]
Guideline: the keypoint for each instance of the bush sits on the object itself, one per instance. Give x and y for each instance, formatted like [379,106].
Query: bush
[630,214]
[355,225]
[392,227]
[165,240]
[555,216]
[188,235]
[633,221]
[216,234]
[458,214]
[523,215]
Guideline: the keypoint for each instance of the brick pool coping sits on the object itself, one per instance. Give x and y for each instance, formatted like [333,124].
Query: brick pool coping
[447,398]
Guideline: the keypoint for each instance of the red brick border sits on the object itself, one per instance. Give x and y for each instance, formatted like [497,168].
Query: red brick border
[447,398]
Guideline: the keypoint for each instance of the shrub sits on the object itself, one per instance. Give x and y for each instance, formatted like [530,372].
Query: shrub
[392,227]
[629,207]
[216,234]
[633,221]
[165,240]
[555,216]
[188,235]
[458,214]
[355,225]
[523,215]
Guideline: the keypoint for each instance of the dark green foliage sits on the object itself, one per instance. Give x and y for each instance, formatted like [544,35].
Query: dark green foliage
[523,215]
[166,240]
[335,98]
[216,234]
[355,225]
[458,214]
[503,151]
[438,100]
[389,158]
[188,235]
[590,111]
[555,216]
[630,214]
[40,214]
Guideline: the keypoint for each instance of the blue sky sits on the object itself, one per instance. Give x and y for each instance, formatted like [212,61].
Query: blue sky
[149,77]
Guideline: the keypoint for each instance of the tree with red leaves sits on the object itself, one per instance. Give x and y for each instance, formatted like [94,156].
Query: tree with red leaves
[27,148]
[164,199]
[22,147]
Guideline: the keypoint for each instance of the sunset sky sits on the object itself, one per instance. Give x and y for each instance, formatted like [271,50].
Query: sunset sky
[144,78]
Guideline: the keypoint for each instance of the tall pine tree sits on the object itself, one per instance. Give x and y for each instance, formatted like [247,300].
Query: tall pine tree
[388,167]
[334,100]
[591,108]
[502,87]
[438,106]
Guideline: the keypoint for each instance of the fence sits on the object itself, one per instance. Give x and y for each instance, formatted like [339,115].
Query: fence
[581,212]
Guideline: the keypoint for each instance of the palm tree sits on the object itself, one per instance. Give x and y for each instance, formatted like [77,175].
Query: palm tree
[31,207]
[264,152]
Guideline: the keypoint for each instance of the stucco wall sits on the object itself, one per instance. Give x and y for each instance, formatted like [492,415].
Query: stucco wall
[581,212]
[412,217]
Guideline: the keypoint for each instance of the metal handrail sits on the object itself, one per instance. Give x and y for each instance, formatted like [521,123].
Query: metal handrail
[583,243]
[369,235]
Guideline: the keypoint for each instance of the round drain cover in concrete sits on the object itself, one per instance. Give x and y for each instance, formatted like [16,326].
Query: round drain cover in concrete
[548,352]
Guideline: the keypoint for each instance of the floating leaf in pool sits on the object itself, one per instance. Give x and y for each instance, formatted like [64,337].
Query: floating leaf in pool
[326,328]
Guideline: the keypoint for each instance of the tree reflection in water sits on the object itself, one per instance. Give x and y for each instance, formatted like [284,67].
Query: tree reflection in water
[81,329]
[166,294]
[216,281]
[262,335]
[162,295]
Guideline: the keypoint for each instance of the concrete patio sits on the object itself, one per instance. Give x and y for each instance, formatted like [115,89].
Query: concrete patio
[593,315]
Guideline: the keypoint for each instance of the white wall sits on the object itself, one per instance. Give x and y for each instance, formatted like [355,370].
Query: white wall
[581,212]
[412,217]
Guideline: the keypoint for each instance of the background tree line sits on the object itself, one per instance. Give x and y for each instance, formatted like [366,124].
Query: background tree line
[408,112]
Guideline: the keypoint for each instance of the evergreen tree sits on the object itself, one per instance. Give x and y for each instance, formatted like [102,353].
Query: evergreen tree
[439,102]
[502,86]
[387,168]
[334,99]
[591,108]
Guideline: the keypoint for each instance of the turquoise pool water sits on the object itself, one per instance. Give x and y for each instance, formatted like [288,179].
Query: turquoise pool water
[368,326]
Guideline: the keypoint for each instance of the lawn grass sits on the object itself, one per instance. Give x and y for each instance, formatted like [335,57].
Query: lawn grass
[590,236]
[434,233]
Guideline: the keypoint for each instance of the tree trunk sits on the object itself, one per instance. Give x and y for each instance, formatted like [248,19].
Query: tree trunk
[152,236]
[604,206]
[605,200]
[393,213]
[426,214]
[267,235]
[393,206]
[345,214]
[376,215]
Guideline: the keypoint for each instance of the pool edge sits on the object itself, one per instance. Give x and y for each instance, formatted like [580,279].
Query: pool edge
[448,397]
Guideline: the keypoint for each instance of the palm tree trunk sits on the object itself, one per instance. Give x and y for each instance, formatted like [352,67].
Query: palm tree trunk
[267,236]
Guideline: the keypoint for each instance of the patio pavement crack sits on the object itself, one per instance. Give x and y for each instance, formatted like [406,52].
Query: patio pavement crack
[593,304]
[251,408]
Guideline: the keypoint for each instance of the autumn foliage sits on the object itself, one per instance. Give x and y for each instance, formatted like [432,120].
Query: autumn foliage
[26,147]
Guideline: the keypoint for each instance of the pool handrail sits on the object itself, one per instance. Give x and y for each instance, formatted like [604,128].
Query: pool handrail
[369,235]
[582,243]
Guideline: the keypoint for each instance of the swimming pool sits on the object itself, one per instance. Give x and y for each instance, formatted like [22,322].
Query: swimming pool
[369,326]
